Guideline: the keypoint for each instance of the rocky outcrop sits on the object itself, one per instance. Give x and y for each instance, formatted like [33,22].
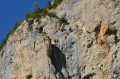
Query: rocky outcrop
[86,47]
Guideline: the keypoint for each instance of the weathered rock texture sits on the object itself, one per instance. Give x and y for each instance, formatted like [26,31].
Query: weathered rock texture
[87,48]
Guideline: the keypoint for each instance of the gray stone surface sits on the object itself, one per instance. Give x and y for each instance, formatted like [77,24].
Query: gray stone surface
[87,48]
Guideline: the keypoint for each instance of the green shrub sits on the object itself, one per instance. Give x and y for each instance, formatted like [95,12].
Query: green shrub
[56,3]
[44,12]
[27,15]
[52,14]
[37,14]
[49,6]
[29,76]
[63,21]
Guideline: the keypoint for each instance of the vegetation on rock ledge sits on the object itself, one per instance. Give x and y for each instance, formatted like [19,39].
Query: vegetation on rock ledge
[38,14]
[7,36]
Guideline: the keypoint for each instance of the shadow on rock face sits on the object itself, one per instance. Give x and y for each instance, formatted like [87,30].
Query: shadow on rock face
[88,76]
[58,60]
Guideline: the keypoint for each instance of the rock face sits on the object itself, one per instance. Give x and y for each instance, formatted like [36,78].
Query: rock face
[86,48]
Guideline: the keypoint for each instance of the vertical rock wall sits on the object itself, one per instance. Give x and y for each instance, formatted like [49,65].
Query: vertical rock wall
[85,48]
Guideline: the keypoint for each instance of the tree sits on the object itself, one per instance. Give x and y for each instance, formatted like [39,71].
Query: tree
[36,6]
[49,5]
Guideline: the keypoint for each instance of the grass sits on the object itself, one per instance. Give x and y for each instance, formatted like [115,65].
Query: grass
[7,36]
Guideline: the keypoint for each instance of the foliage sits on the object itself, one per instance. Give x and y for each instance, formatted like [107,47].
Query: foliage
[63,21]
[7,36]
[43,12]
[29,76]
[49,6]
[56,3]
[37,14]
[28,15]
[52,14]
[36,6]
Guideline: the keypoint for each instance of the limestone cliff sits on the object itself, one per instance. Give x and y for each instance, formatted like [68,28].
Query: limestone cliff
[80,42]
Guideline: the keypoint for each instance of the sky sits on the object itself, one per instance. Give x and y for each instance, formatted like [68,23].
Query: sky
[12,11]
